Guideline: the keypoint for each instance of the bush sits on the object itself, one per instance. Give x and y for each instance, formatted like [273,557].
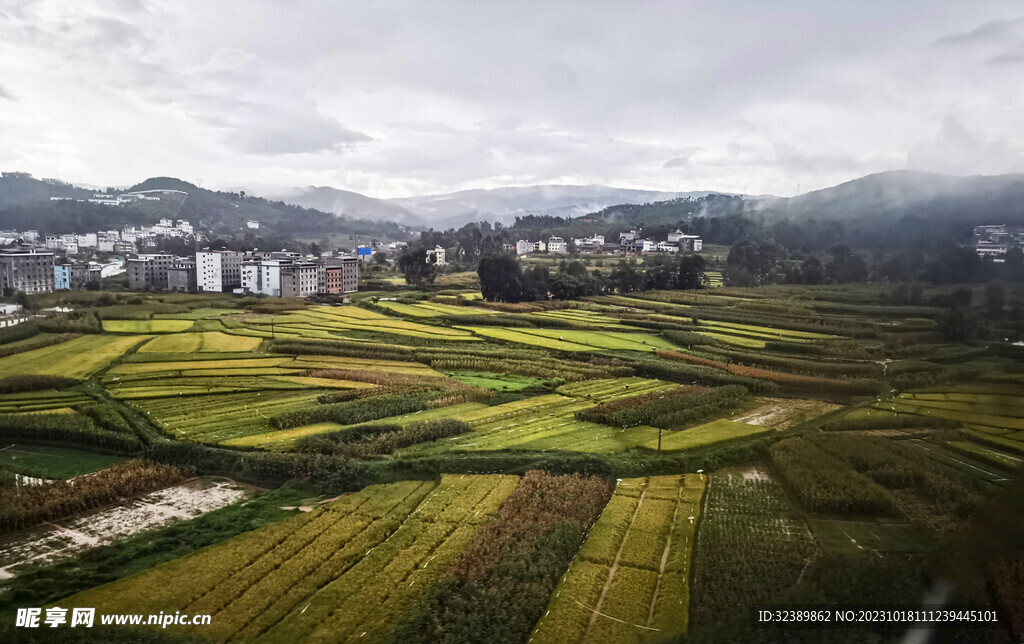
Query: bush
[18,384]
[22,331]
[699,375]
[357,411]
[65,428]
[73,322]
[667,410]
[827,485]
[370,440]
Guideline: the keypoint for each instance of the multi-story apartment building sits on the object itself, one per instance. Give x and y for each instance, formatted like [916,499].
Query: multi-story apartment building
[341,275]
[72,277]
[149,272]
[26,269]
[181,277]
[218,271]
[300,279]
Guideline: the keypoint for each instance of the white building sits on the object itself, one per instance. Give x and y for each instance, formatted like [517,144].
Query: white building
[556,245]
[253,224]
[218,271]
[524,247]
[666,247]
[643,245]
[436,256]
[262,277]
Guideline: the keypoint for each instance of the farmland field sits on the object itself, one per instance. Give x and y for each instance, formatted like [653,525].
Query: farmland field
[629,467]
[288,581]
[77,358]
[630,580]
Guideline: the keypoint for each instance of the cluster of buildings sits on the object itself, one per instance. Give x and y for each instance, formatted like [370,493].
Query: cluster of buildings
[126,240]
[34,270]
[125,198]
[275,274]
[629,242]
[994,241]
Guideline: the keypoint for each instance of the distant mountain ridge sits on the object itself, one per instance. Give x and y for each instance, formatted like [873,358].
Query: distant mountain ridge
[456,209]
[901,193]
[505,204]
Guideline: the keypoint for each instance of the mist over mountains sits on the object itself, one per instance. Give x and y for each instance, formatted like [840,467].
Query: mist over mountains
[456,209]
[954,201]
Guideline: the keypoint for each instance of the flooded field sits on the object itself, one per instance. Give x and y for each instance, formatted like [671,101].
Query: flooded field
[53,541]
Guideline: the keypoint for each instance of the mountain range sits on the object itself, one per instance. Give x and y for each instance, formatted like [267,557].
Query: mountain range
[456,209]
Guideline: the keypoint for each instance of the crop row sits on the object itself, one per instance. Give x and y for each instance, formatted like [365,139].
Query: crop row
[499,588]
[629,581]
[370,440]
[29,505]
[827,485]
[668,410]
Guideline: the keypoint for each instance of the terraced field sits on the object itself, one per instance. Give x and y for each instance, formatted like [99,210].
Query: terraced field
[630,581]
[146,326]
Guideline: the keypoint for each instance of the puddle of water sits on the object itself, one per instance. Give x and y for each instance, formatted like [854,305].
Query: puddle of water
[50,542]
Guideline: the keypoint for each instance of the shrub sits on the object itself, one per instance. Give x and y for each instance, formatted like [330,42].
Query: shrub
[826,484]
[371,440]
[18,384]
[699,375]
[668,410]
[65,428]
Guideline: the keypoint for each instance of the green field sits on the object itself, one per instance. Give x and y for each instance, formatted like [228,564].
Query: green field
[48,461]
[147,326]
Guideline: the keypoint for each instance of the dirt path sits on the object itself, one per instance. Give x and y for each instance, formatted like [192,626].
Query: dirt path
[664,554]
[611,572]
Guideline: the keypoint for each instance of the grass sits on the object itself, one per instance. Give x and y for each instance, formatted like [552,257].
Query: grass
[857,537]
[502,381]
[50,462]
[147,326]
[78,358]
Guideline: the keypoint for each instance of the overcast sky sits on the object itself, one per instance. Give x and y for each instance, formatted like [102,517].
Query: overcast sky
[400,98]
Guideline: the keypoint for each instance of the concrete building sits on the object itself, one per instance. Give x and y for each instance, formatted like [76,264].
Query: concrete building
[556,245]
[666,247]
[218,271]
[341,275]
[436,256]
[181,277]
[524,247]
[148,272]
[73,277]
[62,277]
[26,269]
[300,279]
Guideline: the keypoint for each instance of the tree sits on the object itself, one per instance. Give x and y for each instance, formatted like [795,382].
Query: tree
[314,250]
[502,279]
[995,298]
[22,298]
[419,269]
[691,272]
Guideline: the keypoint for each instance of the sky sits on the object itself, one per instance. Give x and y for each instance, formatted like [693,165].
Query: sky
[394,99]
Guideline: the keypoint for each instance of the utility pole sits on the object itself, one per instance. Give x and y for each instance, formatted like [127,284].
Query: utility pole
[659,440]
[272,336]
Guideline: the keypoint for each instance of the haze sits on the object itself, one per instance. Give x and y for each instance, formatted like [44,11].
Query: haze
[394,99]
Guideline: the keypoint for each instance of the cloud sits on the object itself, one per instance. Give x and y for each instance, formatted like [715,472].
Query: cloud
[265,129]
[406,96]
[1007,59]
[6,93]
[996,30]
